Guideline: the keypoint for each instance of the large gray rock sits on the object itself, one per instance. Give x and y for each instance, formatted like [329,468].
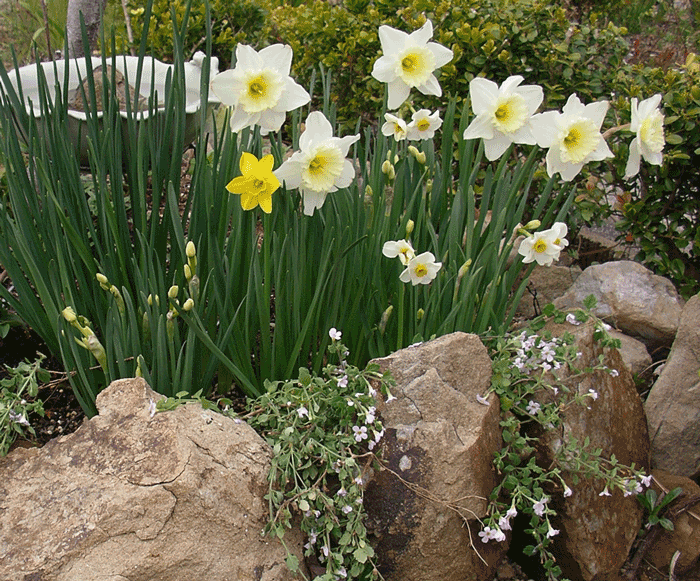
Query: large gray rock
[635,354]
[438,449]
[635,300]
[673,405]
[131,495]
[597,532]
[545,285]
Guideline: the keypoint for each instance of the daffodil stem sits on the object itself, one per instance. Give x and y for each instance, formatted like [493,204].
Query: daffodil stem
[267,290]
[614,130]
[399,336]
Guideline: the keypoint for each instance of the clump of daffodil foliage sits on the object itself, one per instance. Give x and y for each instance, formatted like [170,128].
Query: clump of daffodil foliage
[534,395]
[323,431]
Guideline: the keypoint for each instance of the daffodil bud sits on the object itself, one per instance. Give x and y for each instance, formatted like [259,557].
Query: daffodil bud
[193,287]
[97,350]
[173,291]
[533,225]
[413,150]
[429,186]
[463,269]
[102,279]
[188,272]
[368,191]
[419,314]
[69,315]
[385,318]
[388,155]
[188,305]
[190,250]
[392,173]
[409,228]
[396,158]
[387,167]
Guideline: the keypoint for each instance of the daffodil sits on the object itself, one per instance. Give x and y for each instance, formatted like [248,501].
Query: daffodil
[421,269]
[320,166]
[648,123]
[260,88]
[257,184]
[400,249]
[545,246]
[394,126]
[423,125]
[409,61]
[572,136]
[502,113]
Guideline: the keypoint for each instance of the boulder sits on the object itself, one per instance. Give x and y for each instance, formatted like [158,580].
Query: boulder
[139,495]
[638,302]
[684,513]
[546,283]
[596,532]
[673,405]
[437,452]
[634,353]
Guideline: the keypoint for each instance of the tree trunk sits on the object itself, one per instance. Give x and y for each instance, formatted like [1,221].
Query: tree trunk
[92,11]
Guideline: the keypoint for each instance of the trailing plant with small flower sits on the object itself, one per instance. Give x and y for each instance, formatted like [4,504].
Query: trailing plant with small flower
[534,395]
[322,430]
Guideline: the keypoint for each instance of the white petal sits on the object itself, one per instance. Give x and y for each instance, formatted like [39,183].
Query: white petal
[573,106]
[240,119]
[318,128]
[345,178]
[596,112]
[601,152]
[442,54]
[509,85]
[494,148]
[524,136]
[289,173]
[312,201]
[248,58]
[483,94]
[384,69]
[481,127]
[430,87]
[533,95]
[544,128]
[653,157]
[634,111]
[293,96]
[398,93]
[277,56]
[632,168]
[423,34]
[392,40]
[222,85]
[344,143]
[272,120]
[647,106]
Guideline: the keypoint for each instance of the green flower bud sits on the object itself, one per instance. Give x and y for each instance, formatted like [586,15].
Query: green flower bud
[409,228]
[69,315]
[173,291]
[189,304]
[190,250]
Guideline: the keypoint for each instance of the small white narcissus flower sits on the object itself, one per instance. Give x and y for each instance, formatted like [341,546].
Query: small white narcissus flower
[398,248]
[502,114]
[421,269]
[260,88]
[320,166]
[409,61]
[572,136]
[423,125]
[544,246]
[648,123]
[394,126]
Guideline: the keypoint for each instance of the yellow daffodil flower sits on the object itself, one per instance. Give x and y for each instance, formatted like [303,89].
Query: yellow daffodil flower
[257,184]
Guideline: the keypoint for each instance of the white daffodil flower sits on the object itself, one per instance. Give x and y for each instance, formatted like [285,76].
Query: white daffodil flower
[409,61]
[400,249]
[572,136]
[320,166]
[394,126]
[423,125]
[260,88]
[502,114]
[421,269]
[545,246]
[648,123]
